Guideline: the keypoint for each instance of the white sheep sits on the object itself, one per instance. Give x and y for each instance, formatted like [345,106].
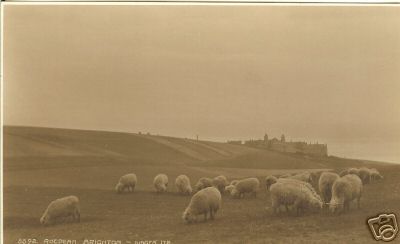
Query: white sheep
[365,175]
[375,175]
[161,183]
[344,191]
[249,185]
[269,180]
[220,182]
[205,201]
[127,181]
[325,184]
[182,184]
[291,193]
[203,182]
[61,209]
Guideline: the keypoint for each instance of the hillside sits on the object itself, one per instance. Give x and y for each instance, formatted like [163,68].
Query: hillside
[36,147]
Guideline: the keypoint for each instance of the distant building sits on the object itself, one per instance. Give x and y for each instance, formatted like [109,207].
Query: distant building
[289,147]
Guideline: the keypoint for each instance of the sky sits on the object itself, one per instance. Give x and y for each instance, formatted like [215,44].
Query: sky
[315,73]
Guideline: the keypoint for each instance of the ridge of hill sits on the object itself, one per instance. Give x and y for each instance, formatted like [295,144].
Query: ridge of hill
[53,147]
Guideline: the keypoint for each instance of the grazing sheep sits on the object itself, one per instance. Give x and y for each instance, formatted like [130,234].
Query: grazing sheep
[375,175]
[182,183]
[220,182]
[345,190]
[205,201]
[161,183]
[229,188]
[269,180]
[203,183]
[249,185]
[365,175]
[291,193]
[234,182]
[60,209]
[127,181]
[325,184]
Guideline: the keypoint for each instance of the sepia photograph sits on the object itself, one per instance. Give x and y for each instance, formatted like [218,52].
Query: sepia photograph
[199,122]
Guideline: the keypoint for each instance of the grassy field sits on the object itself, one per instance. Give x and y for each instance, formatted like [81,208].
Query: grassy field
[44,164]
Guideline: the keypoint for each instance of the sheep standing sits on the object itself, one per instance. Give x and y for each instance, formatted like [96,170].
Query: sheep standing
[325,184]
[127,181]
[203,183]
[249,185]
[290,193]
[375,175]
[220,182]
[206,201]
[345,190]
[182,184]
[161,183]
[60,209]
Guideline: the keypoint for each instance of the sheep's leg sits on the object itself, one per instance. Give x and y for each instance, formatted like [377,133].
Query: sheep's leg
[358,202]
[205,216]
[255,194]
[211,214]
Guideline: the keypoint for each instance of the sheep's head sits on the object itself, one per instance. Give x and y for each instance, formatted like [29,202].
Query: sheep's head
[229,188]
[188,217]
[45,219]
[335,207]
[234,192]
[198,186]
[189,190]
[269,181]
[118,188]
[316,204]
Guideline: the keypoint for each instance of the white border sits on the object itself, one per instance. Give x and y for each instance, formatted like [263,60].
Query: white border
[1,122]
[364,3]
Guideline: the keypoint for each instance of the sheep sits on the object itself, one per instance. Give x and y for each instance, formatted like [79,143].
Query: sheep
[292,193]
[161,183]
[269,180]
[127,181]
[182,183]
[234,182]
[220,182]
[375,175]
[60,209]
[365,175]
[229,188]
[249,185]
[203,183]
[205,201]
[345,190]
[325,183]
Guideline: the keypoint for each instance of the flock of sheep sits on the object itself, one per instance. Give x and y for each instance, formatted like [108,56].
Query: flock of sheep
[290,192]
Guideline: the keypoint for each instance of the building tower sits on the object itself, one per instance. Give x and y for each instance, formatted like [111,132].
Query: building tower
[265,138]
[283,138]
